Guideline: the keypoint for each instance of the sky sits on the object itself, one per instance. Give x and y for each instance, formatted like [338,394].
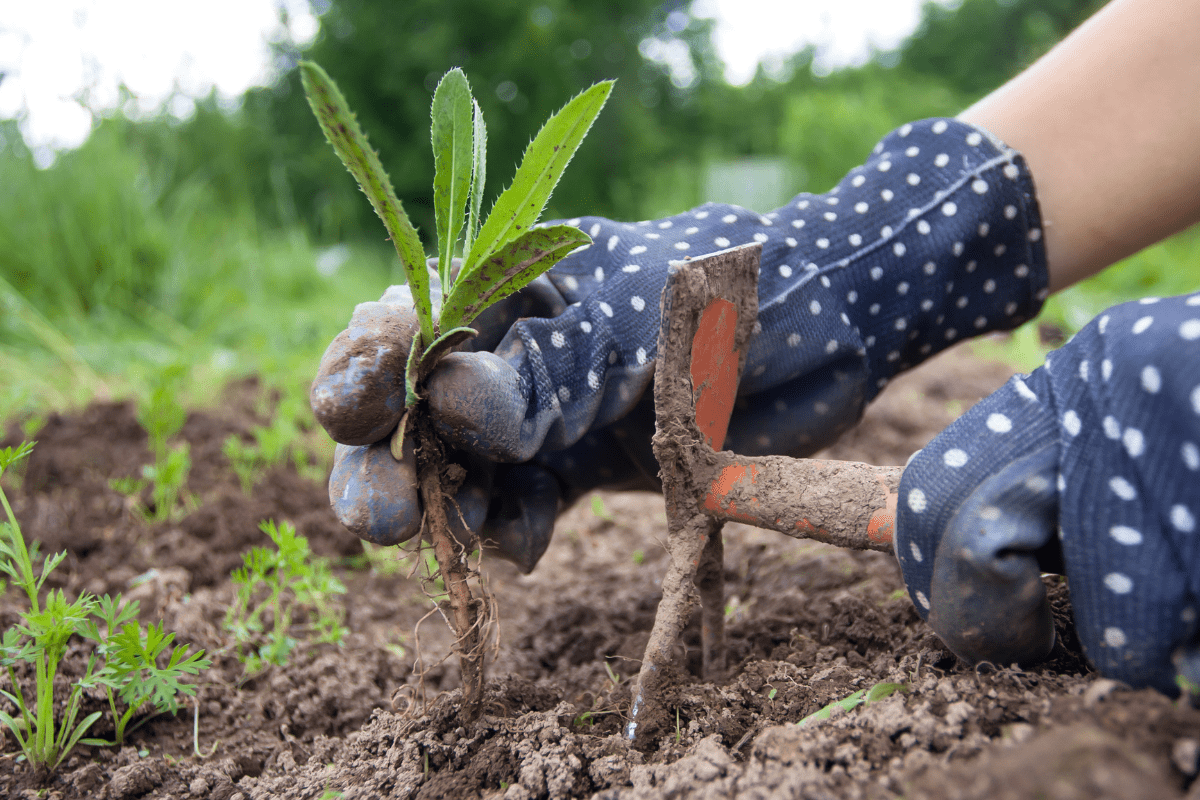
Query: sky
[56,53]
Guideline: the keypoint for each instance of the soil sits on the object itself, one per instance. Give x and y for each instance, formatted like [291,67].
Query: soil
[807,624]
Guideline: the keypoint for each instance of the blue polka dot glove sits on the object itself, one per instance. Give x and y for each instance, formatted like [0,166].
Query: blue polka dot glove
[1089,467]
[935,238]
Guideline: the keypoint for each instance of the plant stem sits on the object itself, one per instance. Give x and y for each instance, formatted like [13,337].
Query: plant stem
[22,561]
[452,563]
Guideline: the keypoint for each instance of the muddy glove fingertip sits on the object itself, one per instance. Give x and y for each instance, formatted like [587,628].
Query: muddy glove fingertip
[374,495]
[478,406]
[358,394]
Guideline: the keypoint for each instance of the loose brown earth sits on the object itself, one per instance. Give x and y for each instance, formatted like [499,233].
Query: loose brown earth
[808,624]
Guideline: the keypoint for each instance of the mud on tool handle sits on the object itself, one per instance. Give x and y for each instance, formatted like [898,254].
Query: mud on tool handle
[839,502]
[842,503]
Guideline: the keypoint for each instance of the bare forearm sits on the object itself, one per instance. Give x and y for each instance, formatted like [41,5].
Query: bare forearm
[1109,121]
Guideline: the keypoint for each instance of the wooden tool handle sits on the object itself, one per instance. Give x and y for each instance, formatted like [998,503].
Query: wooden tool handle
[843,503]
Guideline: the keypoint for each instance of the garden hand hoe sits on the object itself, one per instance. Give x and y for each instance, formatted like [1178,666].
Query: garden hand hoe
[709,308]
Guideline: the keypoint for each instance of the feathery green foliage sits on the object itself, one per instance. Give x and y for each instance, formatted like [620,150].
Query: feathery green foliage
[131,672]
[125,664]
[278,589]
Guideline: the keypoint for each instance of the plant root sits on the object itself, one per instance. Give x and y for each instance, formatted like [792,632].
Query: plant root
[465,616]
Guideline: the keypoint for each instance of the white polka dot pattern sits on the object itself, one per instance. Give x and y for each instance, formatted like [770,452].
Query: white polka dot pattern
[1119,446]
[855,286]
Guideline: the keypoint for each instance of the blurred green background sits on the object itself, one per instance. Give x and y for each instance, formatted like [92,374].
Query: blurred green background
[235,243]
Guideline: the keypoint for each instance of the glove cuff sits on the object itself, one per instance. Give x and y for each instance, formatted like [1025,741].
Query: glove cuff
[956,250]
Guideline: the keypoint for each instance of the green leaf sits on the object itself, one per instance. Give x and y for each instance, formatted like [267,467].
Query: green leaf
[410,375]
[883,690]
[17,730]
[443,344]
[75,736]
[512,267]
[453,151]
[349,142]
[846,703]
[10,455]
[478,174]
[520,205]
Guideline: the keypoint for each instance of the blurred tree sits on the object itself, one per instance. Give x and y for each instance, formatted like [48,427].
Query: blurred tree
[830,124]
[827,124]
[524,61]
[979,44]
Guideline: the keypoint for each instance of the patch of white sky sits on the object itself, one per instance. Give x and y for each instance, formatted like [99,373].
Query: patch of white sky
[64,61]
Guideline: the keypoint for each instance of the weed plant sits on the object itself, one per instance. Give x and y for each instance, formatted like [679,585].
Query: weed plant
[280,590]
[125,664]
[503,250]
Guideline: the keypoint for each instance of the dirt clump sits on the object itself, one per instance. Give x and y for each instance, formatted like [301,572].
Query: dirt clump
[806,625]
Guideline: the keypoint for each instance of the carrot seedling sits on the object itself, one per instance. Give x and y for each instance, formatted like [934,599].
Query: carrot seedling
[131,671]
[40,639]
[162,416]
[125,664]
[275,587]
[501,253]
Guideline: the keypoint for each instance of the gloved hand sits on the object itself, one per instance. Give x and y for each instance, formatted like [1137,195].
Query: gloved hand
[935,238]
[1088,467]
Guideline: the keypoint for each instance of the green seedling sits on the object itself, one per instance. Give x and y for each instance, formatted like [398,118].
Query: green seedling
[274,587]
[600,510]
[612,676]
[131,671]
[245,459]
[166,477]
[860,698]
[272,445]
[162,416]
[40,639]
[588,718]
[125,663]
[639,557]
[500,254]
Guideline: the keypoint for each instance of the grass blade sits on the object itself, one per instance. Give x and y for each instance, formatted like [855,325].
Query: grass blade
[520,205]
[341,129]
[453,151]
[879,691]
[512,267]
[478,173]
